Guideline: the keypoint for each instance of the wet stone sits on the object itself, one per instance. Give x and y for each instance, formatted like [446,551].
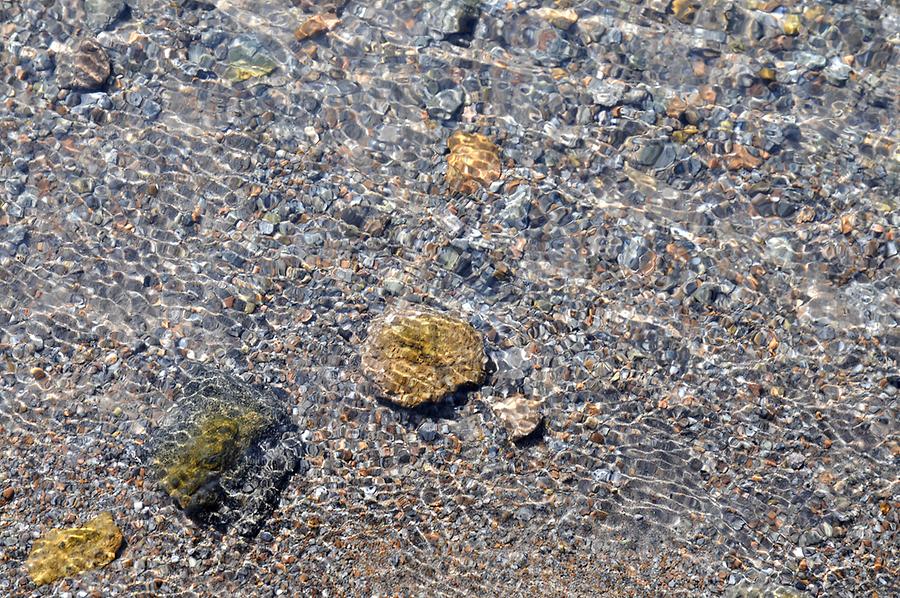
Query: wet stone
[562,19]
[685,10]
[225,451]
[837,72]
[66,552]
[453,18]
[607,94]
[445,105]
[85,68]
[648,154]
[474,160]
[103,13]
[247,59]
[316,25]
[520,416]
[420,356]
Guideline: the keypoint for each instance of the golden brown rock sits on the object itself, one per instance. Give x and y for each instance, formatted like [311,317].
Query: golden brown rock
[66,552]
[740,157]
[562,19]
[315,25]
[474,160]
[420,356]
[684,10]
[792,25]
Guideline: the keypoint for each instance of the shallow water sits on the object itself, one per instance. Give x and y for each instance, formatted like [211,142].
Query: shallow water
[690,257]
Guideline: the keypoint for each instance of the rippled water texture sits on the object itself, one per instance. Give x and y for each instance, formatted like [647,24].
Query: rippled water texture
[673,227]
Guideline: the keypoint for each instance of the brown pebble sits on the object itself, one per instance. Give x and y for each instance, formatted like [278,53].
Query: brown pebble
[38,373]
[315,25]
[8,493]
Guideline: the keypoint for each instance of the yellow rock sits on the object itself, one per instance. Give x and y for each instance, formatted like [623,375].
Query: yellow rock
[315,25]
[767,73]
[66,552]
[792,25]
[474,160]
[420,356]
[562,19]
[682,135]
[684,10]
[242,70]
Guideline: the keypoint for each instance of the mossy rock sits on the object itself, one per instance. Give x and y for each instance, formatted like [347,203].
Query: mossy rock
[248,59]
[225,451]
[420,356]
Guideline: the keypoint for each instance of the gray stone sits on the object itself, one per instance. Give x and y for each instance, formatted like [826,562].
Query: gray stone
[837,72]
[102,13]
[445,105]
[648,154]
[607,93]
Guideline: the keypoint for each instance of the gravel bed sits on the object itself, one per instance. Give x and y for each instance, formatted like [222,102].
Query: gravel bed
[677,237]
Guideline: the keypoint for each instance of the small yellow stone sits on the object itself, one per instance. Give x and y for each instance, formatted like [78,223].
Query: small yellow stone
[66,552]
[792,25]
[684,10]
[563,19]
[813,12]
[767,73]
[684,134]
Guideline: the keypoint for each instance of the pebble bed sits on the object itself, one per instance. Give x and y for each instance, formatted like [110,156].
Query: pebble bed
[687,255]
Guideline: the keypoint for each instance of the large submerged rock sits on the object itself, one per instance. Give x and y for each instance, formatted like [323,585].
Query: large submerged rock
[225,451]
[66,552]
[420,356]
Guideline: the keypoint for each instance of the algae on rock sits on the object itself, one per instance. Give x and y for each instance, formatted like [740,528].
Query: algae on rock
[65,552]
[247,58]
[225,452]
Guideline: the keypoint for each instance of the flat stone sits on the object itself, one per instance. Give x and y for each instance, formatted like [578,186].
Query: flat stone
[225,451]
[420,356]
[85,68]
[520,416]
[66,552]
[474,161]
[247,58]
